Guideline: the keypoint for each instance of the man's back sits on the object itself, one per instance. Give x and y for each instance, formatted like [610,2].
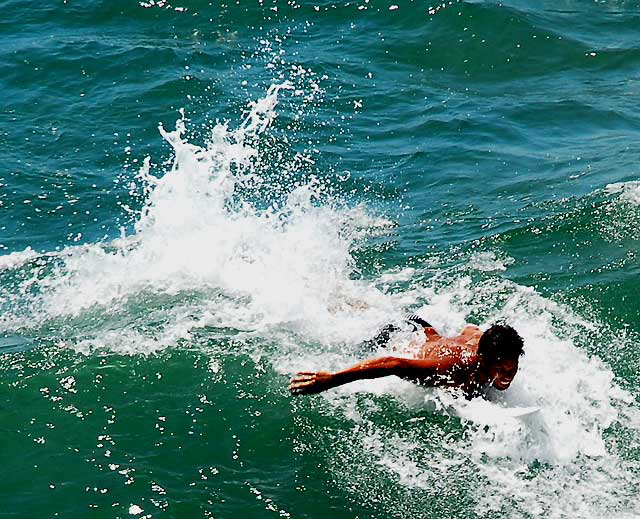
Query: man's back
[470,361]
[455,356]
[463,345]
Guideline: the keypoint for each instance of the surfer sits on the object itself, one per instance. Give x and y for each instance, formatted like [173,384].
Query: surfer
[471,361]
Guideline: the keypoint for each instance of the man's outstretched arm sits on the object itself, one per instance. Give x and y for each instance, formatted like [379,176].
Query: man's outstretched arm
[308,382]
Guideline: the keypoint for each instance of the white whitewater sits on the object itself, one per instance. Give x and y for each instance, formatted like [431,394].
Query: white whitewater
[283,271]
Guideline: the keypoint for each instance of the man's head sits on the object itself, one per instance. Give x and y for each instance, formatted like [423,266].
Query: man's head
[499,349]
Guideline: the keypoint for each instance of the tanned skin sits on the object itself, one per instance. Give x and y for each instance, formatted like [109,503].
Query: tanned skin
[438,362]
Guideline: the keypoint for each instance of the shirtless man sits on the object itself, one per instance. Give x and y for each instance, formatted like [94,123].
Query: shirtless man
[471,361]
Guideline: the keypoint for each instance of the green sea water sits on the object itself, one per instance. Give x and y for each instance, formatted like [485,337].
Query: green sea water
[199,199]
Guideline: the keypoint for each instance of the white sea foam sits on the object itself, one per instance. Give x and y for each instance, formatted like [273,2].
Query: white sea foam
[250,267]
[285,271]
[576,396]
[629,191]
[15,259]
[488,261]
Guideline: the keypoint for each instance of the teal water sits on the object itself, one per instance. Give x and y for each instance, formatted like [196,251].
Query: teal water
[321,170]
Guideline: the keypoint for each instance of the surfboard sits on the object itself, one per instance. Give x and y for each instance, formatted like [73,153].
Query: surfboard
[494,413]
[521,412]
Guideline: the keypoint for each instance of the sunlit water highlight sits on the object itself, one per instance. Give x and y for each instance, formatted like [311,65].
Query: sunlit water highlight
[153,366]
[284,273]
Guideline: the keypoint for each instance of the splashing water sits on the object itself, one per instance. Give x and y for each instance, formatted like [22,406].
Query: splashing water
[629,191]
[513,462]
[249,268]
[202,256]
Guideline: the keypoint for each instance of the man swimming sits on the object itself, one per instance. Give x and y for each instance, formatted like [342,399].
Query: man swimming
[471,361]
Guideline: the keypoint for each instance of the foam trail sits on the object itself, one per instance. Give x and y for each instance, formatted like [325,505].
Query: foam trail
[203,256]
[16,259]
[629,191]
[519,464]
[248,266]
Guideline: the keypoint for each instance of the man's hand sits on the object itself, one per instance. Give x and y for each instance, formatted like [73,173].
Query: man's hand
[309,382]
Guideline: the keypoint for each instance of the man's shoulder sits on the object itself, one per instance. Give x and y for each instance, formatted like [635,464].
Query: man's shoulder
[471,329]
[464,354]
[456,349]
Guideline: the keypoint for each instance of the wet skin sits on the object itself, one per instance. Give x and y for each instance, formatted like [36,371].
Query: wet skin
[438,362]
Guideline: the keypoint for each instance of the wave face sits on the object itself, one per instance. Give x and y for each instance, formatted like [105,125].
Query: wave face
[332,168]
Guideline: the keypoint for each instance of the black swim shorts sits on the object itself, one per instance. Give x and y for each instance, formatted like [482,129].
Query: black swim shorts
[382,337]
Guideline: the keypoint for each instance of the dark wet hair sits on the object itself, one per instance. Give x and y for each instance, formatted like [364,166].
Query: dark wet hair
[500,342]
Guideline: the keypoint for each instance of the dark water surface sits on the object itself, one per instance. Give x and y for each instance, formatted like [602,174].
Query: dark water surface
[333,166]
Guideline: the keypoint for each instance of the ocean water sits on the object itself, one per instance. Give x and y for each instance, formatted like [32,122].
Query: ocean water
[198,199]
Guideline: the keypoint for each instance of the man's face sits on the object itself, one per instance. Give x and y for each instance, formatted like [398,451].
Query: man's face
[502,372]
